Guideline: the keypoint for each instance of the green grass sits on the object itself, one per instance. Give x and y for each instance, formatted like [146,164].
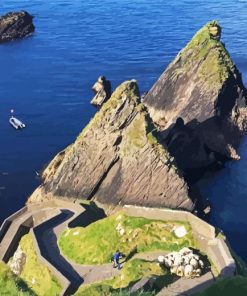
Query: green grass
[136,132]
[216,64]
[37,276]
[152,139]
[236,286]
[127,88]
[132,271]
[96,243]
[135,270]
[11,285]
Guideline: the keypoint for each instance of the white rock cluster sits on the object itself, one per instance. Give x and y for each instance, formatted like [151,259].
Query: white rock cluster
[18,261]
[120,229]
[183,263]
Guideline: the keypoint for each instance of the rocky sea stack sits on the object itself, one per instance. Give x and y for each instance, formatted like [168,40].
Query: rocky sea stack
[117,160]
[15,25]
[145,153]
[199,103]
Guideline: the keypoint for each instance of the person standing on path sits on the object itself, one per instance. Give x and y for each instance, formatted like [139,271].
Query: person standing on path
[116,258]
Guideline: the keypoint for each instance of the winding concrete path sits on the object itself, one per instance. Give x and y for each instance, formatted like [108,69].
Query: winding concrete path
[47,235]
[48,220]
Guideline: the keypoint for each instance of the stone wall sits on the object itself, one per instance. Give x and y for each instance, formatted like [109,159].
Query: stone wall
[25,220]
[12,232]
[7,222]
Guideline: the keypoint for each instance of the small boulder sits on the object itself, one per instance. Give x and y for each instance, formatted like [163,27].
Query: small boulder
[180,270]
[194,263]
[18,261]
[161,259]
[180,231]
[188,269]
[15,25]
[102,90]
[120,229]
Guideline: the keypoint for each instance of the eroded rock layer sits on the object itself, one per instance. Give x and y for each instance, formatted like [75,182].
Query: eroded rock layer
[199,102]
[117,159]
[15,25]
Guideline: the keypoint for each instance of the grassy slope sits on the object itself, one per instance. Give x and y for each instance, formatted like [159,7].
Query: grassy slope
[10,284]
[131,272]
[35,274]
[96,243]
[236,286]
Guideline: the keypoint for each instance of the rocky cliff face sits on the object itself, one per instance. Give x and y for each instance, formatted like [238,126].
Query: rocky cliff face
[199,102]
[117,159]
[15,25]
[123,156]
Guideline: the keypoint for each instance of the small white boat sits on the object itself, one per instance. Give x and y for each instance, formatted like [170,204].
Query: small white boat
[16,123]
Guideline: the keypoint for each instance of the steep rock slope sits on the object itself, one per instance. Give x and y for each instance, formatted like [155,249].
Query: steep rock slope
[117,159]
[15,25]
[199,102]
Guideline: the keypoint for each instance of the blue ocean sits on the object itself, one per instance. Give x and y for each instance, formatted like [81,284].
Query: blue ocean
[47,80]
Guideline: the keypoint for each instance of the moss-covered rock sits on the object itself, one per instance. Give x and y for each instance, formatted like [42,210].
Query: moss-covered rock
[118,159]
[203,87]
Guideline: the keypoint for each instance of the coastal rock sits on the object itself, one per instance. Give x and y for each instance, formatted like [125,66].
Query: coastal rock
[199,103]
[18,261]
[15,25]
[117,160]
[102,89]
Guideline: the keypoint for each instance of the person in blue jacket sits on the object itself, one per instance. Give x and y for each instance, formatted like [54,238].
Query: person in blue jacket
[116,258]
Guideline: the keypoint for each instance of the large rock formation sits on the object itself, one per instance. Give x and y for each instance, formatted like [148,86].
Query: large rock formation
[199,102]
[117,159]
[198,106]
[15,25]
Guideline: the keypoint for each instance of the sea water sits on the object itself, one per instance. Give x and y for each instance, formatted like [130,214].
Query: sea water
[47,79]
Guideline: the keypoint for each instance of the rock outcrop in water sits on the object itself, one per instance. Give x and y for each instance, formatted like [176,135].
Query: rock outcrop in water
[102,90]
[199,103]
[196,113]
[15,25]
[117,159]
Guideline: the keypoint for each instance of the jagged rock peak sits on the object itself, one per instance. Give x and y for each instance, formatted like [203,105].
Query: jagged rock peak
[194,79]
[15,25]
[203,87]
[117,159]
